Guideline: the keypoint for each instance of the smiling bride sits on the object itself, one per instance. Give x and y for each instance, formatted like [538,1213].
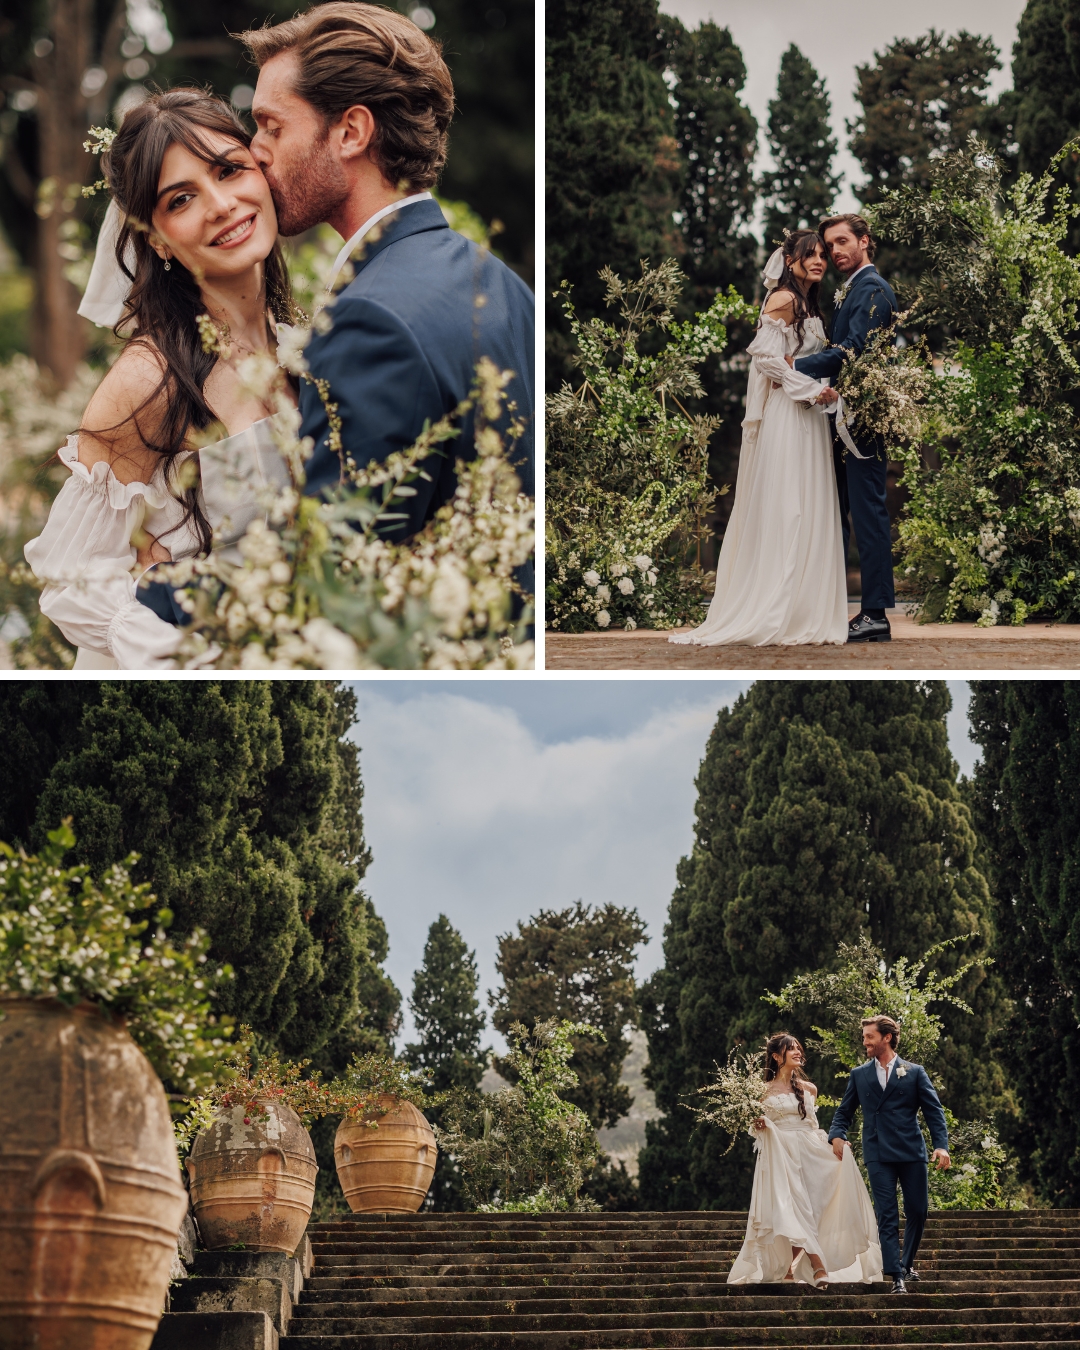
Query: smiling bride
[196,235]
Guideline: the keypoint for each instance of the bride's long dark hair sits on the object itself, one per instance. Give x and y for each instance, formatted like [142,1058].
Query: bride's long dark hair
[776,1049]
[799,245]
[163,306]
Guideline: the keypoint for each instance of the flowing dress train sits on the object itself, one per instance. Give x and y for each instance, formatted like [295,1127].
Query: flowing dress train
[803,1197]
[780,578]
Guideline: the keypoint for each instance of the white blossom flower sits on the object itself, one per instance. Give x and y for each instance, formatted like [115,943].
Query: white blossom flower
[591,578]
[626,585]
[643,562]
[901,1072]
[603,619]
[603,594]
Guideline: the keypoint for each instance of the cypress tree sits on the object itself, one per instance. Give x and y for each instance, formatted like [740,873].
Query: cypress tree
[825,809]
[578,964]
[449,1022]
[920,97]
[801,189]
[242,799]
[1026,798]
[716,136]
[613,169]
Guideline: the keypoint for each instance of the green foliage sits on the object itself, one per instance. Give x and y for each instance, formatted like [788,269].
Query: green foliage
[992,525]
[449,1022]
[613,168]
[243,801]
[921,98]
[1026,801]
[858,984]
[802,187]
[526,1148]
[983,1173]
[250,1080]
[627,465]
[575,965]
[65,936]
[716,136]
[885,389]
[826,809]
[355,1093]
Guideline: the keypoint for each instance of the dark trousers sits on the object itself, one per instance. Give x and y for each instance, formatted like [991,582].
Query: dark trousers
[160,597]
[883,1181]
[861,485]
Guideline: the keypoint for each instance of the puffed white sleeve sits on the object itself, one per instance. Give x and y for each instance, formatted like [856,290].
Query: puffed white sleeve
[86,561]
[768,349]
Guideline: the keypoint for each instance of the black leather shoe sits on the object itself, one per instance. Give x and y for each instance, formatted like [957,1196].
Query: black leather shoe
[864,629]
[910,1276]
[898,1286]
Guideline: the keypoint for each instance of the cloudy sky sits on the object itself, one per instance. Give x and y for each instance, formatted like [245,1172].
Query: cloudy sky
[837,40]
[487,801]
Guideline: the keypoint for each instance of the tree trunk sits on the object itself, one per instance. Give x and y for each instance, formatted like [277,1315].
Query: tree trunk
[58,335]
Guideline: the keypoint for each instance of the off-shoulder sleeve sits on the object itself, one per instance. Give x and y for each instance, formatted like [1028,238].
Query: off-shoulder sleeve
[768,349]
[86,561]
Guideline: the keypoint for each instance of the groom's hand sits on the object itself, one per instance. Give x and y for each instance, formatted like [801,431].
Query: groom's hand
[941,1157]
[838,1146]
[828,396]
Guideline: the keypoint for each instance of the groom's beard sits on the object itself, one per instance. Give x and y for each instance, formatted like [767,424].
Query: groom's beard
[309,194]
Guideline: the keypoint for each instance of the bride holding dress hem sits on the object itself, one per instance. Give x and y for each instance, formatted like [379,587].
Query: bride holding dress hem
[780,578]
[810,1215]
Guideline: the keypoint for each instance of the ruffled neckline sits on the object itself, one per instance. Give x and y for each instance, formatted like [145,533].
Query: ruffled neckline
[814,324]
[101,477]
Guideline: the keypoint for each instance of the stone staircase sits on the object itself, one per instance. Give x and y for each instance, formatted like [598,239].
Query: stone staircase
[631,1281]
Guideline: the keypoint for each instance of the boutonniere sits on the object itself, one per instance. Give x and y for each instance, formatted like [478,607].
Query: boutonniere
[839,296]
[901,1072]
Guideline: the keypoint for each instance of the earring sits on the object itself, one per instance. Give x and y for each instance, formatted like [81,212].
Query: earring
[168,264]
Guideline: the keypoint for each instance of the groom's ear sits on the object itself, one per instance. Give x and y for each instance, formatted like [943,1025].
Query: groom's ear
[354,131]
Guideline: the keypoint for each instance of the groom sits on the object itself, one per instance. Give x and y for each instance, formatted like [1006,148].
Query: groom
[867,302]
[890,1091]
[353,106]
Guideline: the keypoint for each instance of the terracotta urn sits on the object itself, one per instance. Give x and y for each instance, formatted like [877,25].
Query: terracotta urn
[387,1170]
[253,1183]
[91,1198]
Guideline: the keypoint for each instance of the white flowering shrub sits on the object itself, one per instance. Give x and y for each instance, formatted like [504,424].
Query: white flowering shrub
[628,464]
[991,529]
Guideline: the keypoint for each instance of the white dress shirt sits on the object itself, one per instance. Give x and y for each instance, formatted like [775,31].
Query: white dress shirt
[883,1070]
[347,248]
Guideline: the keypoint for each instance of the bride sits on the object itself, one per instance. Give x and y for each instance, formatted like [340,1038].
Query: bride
[780,578]
[196,233]
[810,1216]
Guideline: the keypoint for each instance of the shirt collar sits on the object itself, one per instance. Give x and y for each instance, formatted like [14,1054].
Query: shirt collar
[349,245]
[854,274]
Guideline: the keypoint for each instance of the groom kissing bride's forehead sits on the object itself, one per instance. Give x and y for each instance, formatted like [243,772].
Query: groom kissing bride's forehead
[353,106]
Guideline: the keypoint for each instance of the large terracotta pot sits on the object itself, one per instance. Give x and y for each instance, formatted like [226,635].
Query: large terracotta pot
[386,1170]
[90,1193]
[255,1183]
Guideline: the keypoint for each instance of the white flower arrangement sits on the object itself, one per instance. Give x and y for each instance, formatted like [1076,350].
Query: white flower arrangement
[901,1071]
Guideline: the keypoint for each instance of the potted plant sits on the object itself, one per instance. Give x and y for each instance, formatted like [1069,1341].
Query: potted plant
[384,1149]
[252,1164]
[95,1008]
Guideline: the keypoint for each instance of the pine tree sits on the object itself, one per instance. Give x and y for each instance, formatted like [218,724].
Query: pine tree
[801,189]
[242,799]
[716,136]
[920,98]
[825,809]
[1026,799]
[613,169]
[577,964]
[448,1022]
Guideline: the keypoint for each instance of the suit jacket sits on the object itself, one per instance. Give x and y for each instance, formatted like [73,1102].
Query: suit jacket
[406,334]
[869,304]
[890,1118]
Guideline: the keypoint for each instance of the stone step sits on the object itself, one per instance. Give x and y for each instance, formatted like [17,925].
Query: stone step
[689,1340]
[422,1286]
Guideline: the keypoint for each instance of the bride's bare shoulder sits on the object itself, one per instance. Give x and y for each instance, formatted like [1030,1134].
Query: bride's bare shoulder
[780,305]
[126,407]
[807,1086]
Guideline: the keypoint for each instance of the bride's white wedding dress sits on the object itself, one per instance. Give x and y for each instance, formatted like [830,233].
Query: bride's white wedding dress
[803,1197]
[86,559]
[780,578]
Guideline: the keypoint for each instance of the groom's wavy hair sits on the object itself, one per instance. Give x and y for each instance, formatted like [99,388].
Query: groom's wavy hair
[797,245]
[886,1026]
[163,307]
[349,54]
[776,1048]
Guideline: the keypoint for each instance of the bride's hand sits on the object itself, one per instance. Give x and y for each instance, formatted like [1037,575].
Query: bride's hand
[828,396]
[149,551]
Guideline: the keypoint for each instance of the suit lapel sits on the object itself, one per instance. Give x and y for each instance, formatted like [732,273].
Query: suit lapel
[875,1086]
[897,1062]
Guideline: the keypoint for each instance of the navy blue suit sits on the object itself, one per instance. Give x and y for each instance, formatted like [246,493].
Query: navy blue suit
[894,1150]
[861,483]
[424,305]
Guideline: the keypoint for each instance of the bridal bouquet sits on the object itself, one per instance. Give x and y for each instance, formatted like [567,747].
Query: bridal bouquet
[886,388]
[732,1100]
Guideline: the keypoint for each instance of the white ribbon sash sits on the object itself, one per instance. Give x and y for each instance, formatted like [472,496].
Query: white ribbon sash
[843,432]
